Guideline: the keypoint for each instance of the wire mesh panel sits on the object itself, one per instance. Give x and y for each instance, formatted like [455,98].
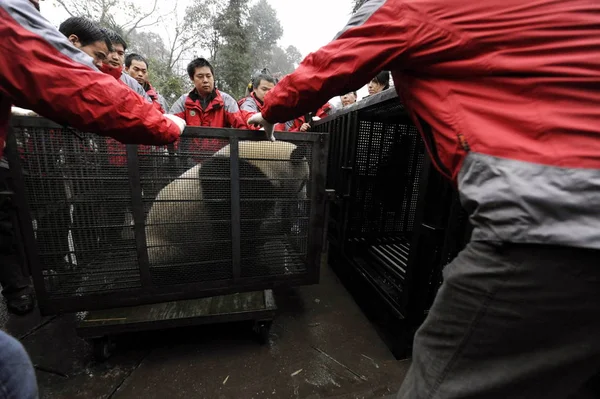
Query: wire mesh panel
[389,161]
[394,217]
[76,192]
[217,212]
[187,213]
[274,208]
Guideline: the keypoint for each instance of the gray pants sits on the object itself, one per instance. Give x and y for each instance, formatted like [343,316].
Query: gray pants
[510,321]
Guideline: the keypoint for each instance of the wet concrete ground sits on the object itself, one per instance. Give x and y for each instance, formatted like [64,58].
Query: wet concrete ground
[321,346]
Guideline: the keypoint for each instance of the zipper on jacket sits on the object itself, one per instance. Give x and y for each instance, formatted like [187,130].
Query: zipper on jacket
[463,142]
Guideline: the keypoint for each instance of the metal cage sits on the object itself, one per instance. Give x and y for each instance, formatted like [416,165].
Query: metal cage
[394,218]
[220,211]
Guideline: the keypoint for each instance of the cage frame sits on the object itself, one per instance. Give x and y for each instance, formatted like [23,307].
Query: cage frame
[149,293]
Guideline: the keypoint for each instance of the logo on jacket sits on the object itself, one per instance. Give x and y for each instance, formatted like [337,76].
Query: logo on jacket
[193,113]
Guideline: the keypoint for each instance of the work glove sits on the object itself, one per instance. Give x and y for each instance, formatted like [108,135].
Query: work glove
[257,119]
[178,121]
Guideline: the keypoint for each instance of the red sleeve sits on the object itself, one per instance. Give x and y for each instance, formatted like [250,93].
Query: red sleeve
[245,116]
[41,70]
[350,61]
[236,120]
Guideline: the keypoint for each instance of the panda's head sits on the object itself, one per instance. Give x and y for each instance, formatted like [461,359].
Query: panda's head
[268,171]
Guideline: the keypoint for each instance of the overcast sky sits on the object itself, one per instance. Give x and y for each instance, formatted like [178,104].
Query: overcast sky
[307,24]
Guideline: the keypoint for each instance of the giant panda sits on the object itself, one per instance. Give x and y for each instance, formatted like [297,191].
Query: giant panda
[188,227]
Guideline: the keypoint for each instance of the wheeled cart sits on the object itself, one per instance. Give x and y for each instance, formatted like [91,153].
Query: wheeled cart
[101,326]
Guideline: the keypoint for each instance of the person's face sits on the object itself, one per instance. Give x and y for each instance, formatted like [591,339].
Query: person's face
[117,57]
[375,87]
[139,71]
[348,99]
[204,81]
[262,89]
[97,50]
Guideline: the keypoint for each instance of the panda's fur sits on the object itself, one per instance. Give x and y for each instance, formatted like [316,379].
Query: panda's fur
[177,230]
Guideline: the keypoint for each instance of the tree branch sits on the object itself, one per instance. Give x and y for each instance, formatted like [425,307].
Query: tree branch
[62,3]
[138,23]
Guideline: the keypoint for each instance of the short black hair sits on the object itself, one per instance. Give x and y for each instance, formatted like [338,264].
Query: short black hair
[263,76]
[198,63]
[87,31]
[115,38]
[383,78]
[134,57]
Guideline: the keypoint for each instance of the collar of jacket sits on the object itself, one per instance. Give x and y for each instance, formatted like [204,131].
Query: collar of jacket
[150,91]
[213,101]
[114,72]
[260,103]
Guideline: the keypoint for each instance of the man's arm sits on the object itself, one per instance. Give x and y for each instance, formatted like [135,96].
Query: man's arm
[235,118]
[376,38]
[40,70]
[247,109]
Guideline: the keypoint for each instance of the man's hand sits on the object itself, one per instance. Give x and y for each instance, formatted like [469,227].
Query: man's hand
[305,127]
[178,121]
[257,119]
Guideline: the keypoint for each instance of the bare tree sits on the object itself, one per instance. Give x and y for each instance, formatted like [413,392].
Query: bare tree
[203,20]
[105,13]
[181,40]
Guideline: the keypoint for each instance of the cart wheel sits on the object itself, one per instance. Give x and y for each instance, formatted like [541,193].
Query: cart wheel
[102,348]
[262,329]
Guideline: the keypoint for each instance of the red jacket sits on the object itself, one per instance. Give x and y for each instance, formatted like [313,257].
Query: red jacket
[41,70]
[222,111]
[117,152]
[506,97]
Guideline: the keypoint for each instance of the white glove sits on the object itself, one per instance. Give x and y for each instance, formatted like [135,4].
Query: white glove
[178,121]
[257,119]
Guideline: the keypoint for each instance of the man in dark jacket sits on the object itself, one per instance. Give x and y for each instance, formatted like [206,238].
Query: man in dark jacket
[506,95]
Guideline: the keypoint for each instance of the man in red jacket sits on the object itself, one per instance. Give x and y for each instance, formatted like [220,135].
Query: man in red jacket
[261,84]
[65,86]
[113,65]
[136,67]
[206,106]
[506,95]
[250,105]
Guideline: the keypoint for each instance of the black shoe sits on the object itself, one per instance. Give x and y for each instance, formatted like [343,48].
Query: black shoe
[20,305]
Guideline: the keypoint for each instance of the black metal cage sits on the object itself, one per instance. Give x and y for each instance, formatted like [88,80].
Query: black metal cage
[394,218]
[220,211]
